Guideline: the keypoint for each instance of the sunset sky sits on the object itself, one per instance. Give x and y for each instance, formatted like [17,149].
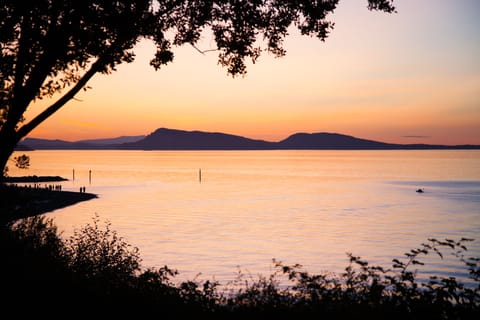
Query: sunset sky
[409,77]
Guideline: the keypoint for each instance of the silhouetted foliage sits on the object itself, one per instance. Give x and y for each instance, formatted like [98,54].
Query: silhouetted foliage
[22,161]
[101,253]
[95,270]
[55,47]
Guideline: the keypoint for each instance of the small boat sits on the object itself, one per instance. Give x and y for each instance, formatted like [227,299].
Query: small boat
[420,190]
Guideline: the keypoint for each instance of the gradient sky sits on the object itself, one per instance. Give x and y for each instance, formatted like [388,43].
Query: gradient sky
[409,77]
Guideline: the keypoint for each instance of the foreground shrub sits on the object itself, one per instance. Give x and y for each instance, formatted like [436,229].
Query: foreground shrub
[101,254]
[95,269]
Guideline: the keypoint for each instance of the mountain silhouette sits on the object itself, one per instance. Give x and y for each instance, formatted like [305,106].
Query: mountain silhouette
[172,139]
[46,144]
[112,141]
[325,140]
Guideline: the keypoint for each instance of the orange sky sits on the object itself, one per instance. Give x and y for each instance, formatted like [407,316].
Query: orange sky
[410,77]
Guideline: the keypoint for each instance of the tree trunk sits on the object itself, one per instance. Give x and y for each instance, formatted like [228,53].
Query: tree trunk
[9,137]
[9,141]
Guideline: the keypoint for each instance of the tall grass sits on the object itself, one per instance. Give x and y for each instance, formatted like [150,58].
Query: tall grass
[96,271]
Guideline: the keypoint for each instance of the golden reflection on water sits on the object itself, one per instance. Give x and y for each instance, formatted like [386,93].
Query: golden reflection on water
[307,207]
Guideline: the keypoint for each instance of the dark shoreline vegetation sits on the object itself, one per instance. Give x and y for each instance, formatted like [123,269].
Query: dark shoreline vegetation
[38,198]
[96,272]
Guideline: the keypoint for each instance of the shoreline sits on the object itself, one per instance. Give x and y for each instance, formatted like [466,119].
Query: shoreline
[34,178]
[18,202]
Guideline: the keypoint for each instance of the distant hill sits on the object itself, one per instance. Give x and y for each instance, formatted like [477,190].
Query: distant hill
[325,140]
[45,144]
[335,141]
[22,147]
[112,141]
[171,139]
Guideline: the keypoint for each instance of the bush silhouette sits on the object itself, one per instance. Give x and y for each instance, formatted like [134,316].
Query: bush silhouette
[95,270]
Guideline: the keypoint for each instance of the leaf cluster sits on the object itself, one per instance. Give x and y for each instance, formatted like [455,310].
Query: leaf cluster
[22,161]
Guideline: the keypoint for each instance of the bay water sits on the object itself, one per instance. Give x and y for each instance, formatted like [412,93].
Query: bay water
[210,214]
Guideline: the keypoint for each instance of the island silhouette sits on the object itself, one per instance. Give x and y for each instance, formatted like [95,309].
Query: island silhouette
[173,139]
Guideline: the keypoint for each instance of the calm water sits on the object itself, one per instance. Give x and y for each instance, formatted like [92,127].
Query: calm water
[307,207]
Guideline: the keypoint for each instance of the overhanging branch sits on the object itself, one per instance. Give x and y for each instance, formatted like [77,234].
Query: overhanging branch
[45,114]
[202,51]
